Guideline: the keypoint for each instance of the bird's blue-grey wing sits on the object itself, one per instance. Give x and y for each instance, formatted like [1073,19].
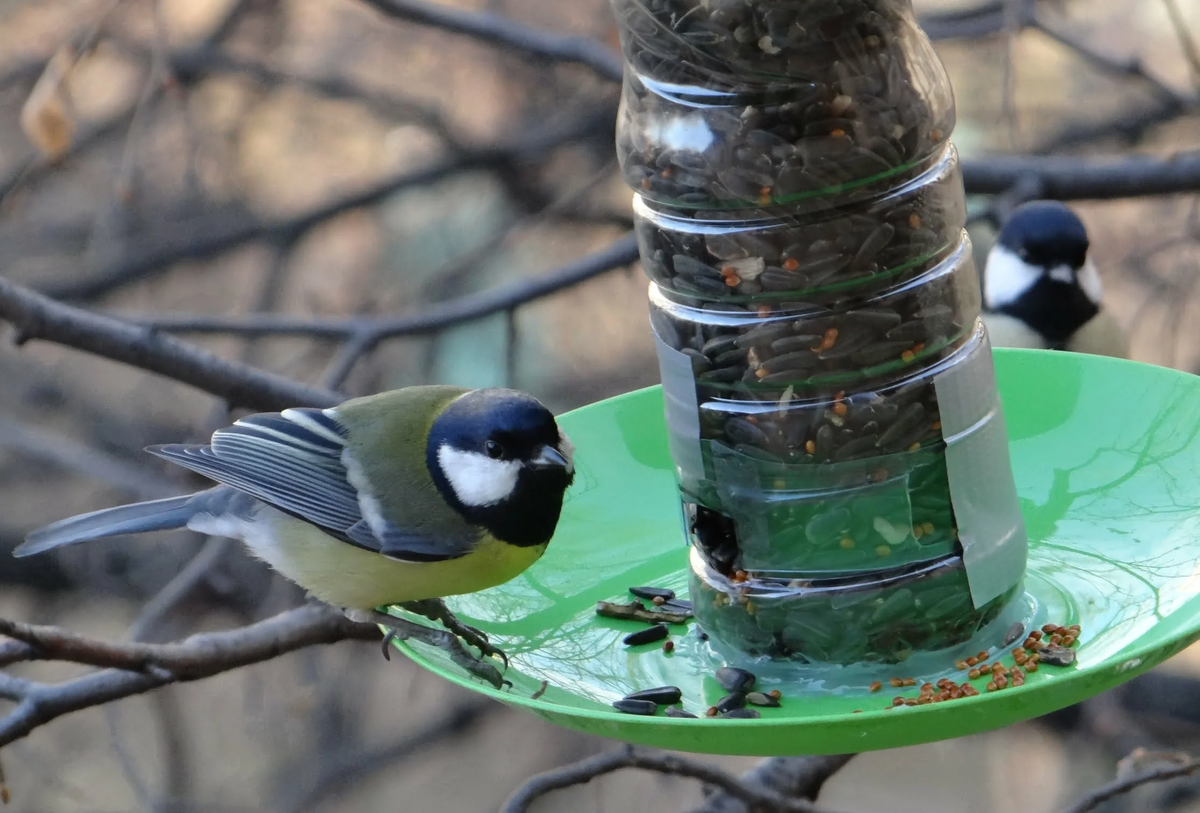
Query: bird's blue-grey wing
[293,460]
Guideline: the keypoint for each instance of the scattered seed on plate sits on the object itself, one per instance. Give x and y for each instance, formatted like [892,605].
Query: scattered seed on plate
[742,713]
[733,679]
[651,593]
[676,608]
[760,699]
[1055,655]
[668,646]
[733,700]
[874,687]
[646,708]
[1014,633]
[675,711]
[635,611]
[650,635]
[662,695]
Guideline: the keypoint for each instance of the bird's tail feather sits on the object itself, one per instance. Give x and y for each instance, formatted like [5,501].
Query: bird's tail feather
[156,515]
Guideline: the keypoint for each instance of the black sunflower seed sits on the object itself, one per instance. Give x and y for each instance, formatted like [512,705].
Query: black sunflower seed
[646,708]
[663,695]
[649,635]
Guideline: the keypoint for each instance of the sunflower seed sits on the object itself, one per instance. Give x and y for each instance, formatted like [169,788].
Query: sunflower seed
[649,635]
[645,708]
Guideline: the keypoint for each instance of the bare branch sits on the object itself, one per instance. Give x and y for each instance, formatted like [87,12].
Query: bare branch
[791,777]
[196,244]
[191,65]
[33,442]
[495,29]
[430,319]
[1071,178]
[1117,787]
[137,668]
[585,770]
[1186,44]
[350,769]
[37,317]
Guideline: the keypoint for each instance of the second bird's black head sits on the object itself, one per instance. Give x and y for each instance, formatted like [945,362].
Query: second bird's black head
[1039,271]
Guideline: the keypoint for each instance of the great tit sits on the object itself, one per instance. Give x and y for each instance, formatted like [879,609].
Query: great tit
[398,498]
[1041,290]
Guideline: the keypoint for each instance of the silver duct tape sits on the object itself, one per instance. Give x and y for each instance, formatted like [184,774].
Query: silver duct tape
[982,490]
[682,413]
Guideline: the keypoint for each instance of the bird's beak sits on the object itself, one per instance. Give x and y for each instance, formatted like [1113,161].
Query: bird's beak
[548,457]
[1062,273]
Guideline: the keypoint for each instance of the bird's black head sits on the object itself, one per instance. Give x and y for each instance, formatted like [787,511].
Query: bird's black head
[1039,271]
[1046,234]
[498,457]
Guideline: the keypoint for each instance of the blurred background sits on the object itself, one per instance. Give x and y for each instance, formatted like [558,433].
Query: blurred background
[220,157]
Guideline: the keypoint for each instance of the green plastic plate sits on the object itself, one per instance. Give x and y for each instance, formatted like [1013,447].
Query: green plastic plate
[1107,463]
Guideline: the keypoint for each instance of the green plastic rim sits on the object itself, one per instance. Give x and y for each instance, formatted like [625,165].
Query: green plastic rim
[1106,455]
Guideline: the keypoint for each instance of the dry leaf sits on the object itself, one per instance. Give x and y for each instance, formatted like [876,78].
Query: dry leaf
[46,116]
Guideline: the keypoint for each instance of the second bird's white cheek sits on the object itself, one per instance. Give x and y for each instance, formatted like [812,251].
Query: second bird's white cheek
[477,479]
[1089,281]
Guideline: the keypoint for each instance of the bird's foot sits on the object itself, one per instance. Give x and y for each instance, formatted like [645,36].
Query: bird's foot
[436,610]
[448,642]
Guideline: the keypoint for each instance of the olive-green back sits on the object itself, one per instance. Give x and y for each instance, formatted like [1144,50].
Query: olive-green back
[389,435]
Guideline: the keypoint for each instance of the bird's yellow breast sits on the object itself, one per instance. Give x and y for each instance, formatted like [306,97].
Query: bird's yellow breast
[346,576]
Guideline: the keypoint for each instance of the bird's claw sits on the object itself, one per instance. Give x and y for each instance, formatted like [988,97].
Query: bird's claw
[447,641]
[436,610]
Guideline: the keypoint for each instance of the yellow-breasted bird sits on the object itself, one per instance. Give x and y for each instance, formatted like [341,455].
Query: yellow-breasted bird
[398,498]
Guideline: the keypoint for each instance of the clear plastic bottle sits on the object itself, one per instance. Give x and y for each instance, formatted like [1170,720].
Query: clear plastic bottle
[830,399]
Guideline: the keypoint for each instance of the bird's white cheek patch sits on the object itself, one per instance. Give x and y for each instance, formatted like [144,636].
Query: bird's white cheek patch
[568,450]
[477,479]
[1089,281]
[1006,277]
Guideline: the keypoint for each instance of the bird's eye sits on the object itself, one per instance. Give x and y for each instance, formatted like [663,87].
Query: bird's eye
[494,450]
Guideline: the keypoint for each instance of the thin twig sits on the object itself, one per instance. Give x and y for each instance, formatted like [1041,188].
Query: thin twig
[1096,797]
[791,777]
[1186,43]
[495,29]
[352,769]
[369,331]
[37,317]
[195,244]
[136,668]
[30,441]
[585,770]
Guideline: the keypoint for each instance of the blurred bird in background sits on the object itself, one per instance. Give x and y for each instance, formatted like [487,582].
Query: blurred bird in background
[1041,290]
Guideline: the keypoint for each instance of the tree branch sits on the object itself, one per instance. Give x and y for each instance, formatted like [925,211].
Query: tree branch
[136,668]
[582,772]
[1071,178]
[1117,787]
[37,317]
[196,244]
[495,29]
[429,319]
[348,770]
[790,777]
